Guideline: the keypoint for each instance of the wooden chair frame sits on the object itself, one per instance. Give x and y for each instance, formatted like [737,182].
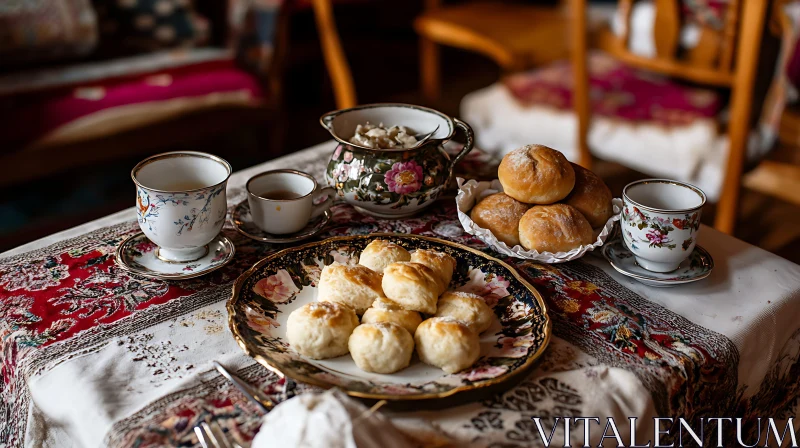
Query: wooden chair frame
[734,68]
[434,30]
[335,60]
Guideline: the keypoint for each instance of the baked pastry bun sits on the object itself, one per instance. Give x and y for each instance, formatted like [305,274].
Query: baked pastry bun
[466,307]
[554,228]
[500,213]
[385,310]
[354,286]
[381,253]
[441,263]
[321,330]
[413,286]
[591,196]
[536,174]
[381,347]
[447,343]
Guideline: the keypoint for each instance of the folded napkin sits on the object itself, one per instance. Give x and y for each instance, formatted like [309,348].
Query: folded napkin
[330,420]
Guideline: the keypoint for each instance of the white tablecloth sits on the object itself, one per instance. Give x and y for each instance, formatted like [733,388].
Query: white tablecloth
[123,381]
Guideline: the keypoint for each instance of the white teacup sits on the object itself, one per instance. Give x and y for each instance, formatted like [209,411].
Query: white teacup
[660,221]
[284,201]
[180,202]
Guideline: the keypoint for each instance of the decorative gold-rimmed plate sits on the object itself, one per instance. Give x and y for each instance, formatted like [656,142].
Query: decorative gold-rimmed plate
[265,295]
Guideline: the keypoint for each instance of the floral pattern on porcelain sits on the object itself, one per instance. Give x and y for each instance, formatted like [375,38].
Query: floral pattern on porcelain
[658,231]
[396,179]
[150,205]
[398,182]
[265,295]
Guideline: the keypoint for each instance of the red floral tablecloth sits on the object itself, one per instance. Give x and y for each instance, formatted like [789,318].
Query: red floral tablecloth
[95,355]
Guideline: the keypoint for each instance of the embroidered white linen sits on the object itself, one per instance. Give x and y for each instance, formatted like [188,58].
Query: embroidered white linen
[83,398]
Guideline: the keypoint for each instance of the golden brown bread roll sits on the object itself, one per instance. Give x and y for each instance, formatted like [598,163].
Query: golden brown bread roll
[536,174]
[354,286]
[500,213]
[381,253]
[554,228]
[466,307]
[413,286]
[321,330]
[386,310]
[591,197]
[381,347]
[441,263]
[447,343]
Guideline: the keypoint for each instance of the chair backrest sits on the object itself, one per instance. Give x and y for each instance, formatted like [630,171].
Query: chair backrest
[716,24]
[733,64]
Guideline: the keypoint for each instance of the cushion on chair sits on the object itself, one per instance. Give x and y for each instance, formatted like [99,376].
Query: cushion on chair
[26,81]
[30,116]
[134,26]
[35,31]
[645,122]
[617,91]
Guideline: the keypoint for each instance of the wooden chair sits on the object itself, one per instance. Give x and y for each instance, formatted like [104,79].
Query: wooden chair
[515,36]
[779,175]
[335,60]
[726,58]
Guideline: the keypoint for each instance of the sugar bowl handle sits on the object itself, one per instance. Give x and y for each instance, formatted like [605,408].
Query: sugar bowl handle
[467,146]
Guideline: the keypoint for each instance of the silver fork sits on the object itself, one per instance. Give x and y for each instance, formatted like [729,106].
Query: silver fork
[211,435]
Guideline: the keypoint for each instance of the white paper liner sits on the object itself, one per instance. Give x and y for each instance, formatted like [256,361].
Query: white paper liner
[470,192]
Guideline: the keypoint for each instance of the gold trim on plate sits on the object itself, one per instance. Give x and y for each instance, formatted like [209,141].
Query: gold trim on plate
[237,286]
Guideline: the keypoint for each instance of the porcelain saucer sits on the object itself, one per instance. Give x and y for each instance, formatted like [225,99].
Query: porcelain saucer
[697,267]
[139,255]
[243,223]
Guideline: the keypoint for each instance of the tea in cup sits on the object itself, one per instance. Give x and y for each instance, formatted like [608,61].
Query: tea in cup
[180,202]
[660,221]
[284,201]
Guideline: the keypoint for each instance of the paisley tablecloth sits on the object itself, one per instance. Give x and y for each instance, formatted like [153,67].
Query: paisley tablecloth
[95,356]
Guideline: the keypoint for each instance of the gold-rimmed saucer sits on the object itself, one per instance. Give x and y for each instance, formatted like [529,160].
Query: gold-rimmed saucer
[139,255]
[243,223]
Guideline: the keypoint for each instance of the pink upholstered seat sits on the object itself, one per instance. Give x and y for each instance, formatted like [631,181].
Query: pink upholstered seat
[27,116]
[617,91]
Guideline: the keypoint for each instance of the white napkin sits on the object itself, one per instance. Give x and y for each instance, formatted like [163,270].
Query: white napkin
[327,420]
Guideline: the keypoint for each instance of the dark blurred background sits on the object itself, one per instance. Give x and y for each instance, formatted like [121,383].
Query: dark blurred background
[54,183]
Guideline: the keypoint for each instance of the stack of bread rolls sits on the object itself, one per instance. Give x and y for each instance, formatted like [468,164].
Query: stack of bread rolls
[548,204]
[391,289]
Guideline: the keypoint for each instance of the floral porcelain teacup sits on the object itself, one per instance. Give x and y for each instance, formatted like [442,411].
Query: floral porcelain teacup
[660,221]
[180,202]
[392,183]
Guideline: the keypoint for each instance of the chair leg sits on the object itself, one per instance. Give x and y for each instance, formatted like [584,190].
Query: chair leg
[747,55]
[430,70]
[580,73]
[728,205]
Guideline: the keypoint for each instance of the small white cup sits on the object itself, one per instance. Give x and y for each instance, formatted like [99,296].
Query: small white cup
[180,202]
[660,222]
[284,216]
